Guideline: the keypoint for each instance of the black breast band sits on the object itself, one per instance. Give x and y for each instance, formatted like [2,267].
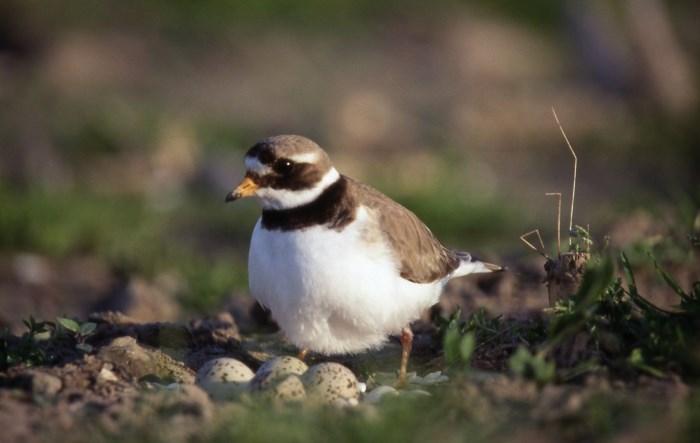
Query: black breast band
[334,208]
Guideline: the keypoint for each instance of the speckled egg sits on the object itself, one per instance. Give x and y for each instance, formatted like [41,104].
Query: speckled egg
[331,383]
[224,378]
[276,369]
[286,389]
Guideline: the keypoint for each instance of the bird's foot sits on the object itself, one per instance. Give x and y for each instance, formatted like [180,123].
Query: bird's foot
[402,382]
[302,354]
[406,345]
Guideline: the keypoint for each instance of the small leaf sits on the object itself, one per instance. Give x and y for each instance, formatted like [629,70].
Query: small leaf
[43,335]
[466,346]
[69,324]
[636,359]
[544,370]
[524,364]
[518,362]
[629,275]
[87,328]
[451,345]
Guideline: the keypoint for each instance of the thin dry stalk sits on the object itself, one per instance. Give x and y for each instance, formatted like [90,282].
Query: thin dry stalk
[558,195]
[573,187]
[523,238]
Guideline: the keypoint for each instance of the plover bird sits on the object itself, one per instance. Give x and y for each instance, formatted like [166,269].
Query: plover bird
[340,265]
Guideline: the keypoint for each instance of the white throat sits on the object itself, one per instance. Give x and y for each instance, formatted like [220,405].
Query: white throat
[286,199]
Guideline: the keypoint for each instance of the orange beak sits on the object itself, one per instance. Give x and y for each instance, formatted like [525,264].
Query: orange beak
[247,188]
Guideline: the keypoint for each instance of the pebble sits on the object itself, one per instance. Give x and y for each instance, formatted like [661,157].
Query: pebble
[431,378]
[378,393]
[45,384]
[106,375]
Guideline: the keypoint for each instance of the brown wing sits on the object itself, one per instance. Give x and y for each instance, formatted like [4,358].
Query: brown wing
[422,258]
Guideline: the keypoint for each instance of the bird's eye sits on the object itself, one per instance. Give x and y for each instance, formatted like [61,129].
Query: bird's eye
[283,166]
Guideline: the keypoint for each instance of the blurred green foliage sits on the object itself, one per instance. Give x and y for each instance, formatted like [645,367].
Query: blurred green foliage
[525,364]
[127,234]
[627,331]
[450,415]
[25,350]
[458,348]
[119,228]
[610,324]
[206,16]
[42,342]
[460,222]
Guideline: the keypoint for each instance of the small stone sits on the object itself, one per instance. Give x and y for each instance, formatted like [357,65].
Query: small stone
[45,384]
[378,393]
[140,361]
[431,378]
[106,375]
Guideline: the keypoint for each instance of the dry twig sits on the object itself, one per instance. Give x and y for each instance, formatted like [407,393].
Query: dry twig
[573,187]
[523,238]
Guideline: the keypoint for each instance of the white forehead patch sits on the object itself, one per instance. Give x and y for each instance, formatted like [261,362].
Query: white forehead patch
[252,164]
[306,157]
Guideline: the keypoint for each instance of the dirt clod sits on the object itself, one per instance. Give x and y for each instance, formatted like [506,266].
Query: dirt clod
[138,361]
[564,275]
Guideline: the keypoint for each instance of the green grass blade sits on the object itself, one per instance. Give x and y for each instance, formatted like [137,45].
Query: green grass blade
[670,281]
[637,298]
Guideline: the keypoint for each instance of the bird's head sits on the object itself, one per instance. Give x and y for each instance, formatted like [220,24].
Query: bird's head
[285,171]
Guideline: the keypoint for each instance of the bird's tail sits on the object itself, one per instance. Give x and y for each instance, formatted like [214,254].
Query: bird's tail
[471,265]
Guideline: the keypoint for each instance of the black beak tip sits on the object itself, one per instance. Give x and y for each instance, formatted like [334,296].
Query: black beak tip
[230,197]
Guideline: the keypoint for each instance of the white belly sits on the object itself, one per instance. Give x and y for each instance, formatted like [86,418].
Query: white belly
[334,292]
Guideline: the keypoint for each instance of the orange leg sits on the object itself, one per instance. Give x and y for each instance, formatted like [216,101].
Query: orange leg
[406,345]
[302,354]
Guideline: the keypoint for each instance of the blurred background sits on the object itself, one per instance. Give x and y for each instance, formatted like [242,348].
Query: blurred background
[123,125]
